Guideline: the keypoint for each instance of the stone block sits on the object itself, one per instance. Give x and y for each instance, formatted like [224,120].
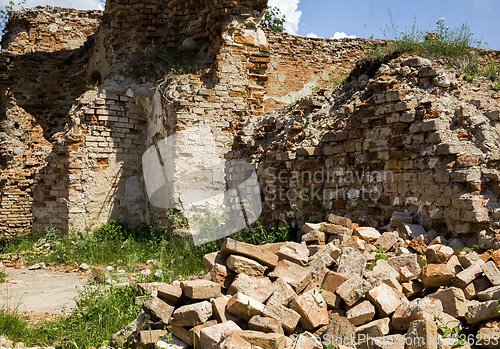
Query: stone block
[219,308]
[333,280]
[265,324]
[222,275]
[296,276]
[477,286]
[409,261]
[258,288]
[354,289]
[410,231]
[314,237]
[263,340]
[339,220]
[312,308]
[368,234]
[386,240]
[283,293]
[294,252]
[411,288]
[491,272]
[234,341]
[351,262]
[468,275]
[210,259]
[193,314]
[211,337]
[491,293]
[374,329]
[385,298]
[360,313]
[289,318]
[438,253]
[240,264]
[148,338]
[244,307]
[417,309]
[309,227]
[257,253]
[201,289]
[479,312]
[159,309]
[422,334]
[169,292]
[435,275]
[339,330]
[335,229]
[453,301]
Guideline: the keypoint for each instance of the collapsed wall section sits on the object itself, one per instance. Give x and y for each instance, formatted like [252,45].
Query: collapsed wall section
[413,137]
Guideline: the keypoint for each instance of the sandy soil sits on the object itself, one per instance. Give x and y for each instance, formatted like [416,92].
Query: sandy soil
[41,293]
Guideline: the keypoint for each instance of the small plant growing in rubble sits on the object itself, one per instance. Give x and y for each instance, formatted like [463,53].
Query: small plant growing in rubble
[476,248]
[379,254]
[447,332]
[3,275]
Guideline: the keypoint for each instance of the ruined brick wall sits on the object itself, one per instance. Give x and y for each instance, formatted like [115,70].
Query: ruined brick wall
[49,29]
[300,65]
[409,136]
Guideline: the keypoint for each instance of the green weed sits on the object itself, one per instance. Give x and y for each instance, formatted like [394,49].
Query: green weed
[379,254]
[3,276]
[99,313]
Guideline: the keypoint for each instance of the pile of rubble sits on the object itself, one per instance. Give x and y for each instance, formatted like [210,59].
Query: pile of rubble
[344,285]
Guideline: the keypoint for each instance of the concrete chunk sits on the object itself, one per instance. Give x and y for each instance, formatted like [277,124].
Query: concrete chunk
[333,280]
[374,329]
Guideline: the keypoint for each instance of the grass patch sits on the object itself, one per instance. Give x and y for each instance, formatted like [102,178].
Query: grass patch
[3,276]
[99,313]
[455,47]
[102,311]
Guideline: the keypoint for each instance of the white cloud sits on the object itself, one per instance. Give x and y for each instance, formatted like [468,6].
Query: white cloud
[342,35]
[312,35]
[78,4]
[482,4]
[289,9]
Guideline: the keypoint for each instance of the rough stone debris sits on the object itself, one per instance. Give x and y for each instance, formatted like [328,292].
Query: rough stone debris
[355,307]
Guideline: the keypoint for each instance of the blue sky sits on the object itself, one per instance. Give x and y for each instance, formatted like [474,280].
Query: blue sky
[364,18]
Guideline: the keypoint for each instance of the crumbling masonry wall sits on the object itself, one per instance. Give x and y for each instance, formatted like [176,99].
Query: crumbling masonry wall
[71,158]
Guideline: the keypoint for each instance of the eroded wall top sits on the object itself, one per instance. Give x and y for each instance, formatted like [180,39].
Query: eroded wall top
[49,29]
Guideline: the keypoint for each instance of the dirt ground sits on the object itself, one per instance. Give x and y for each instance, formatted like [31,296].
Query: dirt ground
[41,293]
